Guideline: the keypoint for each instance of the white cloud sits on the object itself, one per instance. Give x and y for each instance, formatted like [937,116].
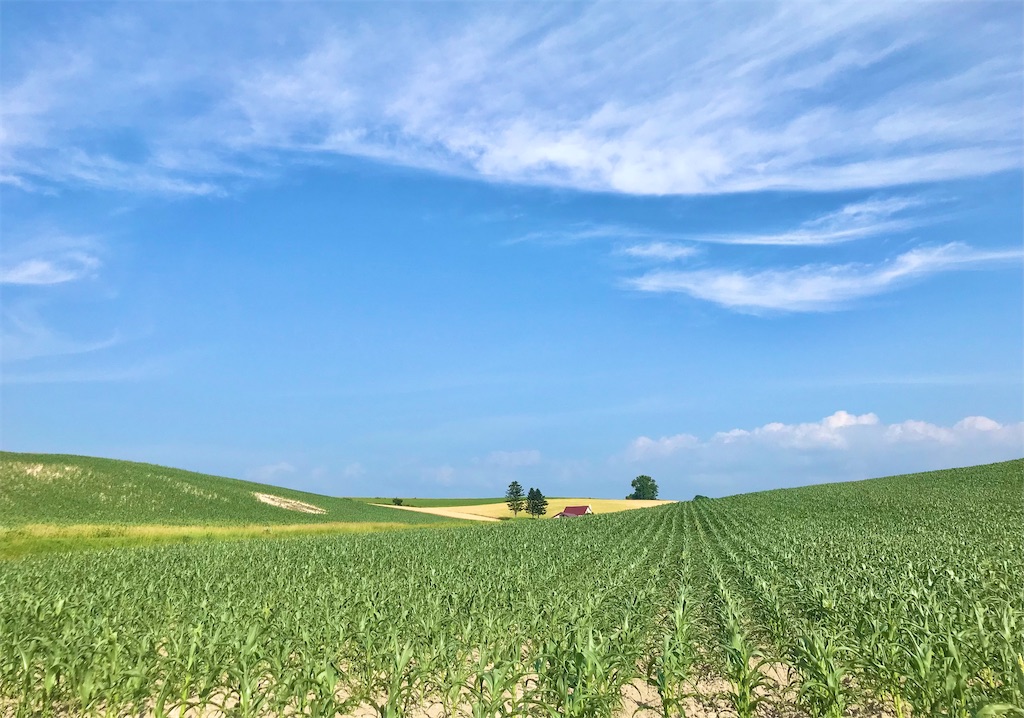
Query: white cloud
[919,431]
[971,428]
[756,97]
[843,432]
[514,459]
[814,288]
[659,251]
[977,423]
[843,419]
[841,447]
[829,432]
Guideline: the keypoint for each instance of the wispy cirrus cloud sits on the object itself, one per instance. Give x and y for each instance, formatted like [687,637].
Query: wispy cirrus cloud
[853,221]
[819,287]
[587,231]
[30,266]
[553,96]
[67,268]
[24,335]
[659,251]
[875,216]
[48,258]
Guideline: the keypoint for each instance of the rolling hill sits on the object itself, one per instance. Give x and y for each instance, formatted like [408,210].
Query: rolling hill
[62,490]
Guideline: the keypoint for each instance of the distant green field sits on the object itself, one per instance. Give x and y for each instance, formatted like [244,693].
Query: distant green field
[55,489]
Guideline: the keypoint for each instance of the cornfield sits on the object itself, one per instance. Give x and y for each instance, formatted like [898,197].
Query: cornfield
[883,597]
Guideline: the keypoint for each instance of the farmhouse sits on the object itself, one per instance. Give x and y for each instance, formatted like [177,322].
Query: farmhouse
[571,511]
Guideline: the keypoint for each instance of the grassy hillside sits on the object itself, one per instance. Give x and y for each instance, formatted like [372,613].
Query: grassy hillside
[55,489]
[971,493]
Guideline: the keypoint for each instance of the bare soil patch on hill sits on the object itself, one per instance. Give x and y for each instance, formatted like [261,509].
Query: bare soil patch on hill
[290,504]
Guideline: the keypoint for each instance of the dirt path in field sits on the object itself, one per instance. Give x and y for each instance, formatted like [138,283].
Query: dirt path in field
[440,511]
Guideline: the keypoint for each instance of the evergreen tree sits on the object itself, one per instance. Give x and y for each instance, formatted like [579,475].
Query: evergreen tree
[514,498]
[536,504]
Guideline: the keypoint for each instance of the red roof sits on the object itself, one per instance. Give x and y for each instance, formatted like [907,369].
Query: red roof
[575,510]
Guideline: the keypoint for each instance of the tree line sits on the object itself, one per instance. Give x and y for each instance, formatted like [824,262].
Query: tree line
[535,504]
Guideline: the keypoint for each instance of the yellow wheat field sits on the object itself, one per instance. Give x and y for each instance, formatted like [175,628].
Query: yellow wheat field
[599,506]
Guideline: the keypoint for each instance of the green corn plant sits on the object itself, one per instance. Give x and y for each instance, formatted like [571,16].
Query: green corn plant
[883,660]
[581,676]
[400,682]
[745,671]
[672,666]
[823,669]
[495,688]
[956,677]
[451,672]
[246,673]
[925,677]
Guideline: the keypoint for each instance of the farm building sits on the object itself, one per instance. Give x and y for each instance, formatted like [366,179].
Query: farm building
[571,511]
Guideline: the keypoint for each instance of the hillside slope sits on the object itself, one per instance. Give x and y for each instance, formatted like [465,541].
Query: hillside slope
[58,489]
[970,492]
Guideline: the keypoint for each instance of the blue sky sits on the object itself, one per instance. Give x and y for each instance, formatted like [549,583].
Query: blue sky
[424,249]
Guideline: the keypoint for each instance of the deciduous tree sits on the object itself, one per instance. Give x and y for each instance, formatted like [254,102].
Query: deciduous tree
[644,487]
